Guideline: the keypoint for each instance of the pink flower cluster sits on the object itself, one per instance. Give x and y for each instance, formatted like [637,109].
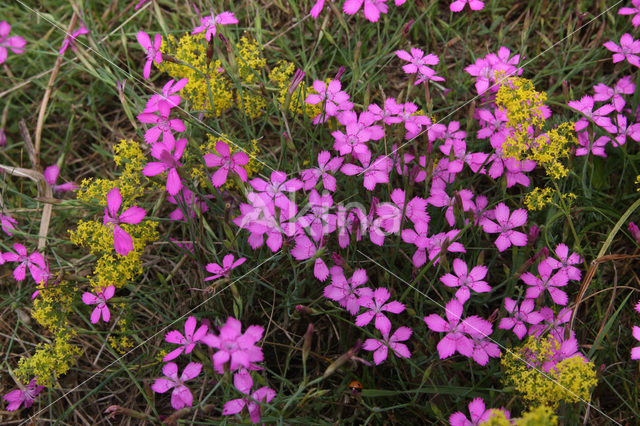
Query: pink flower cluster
[235,352]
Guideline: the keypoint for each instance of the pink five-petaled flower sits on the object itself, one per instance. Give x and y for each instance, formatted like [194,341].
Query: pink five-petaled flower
[153,50]
[35,262]
[372,8]
[548,282]
[377,306]
[243,382]
[635,352]
[565,262]
[7,223]
[381,346]
[226,162]
[168,161]
[374,172]
[163,126]
[635,11]
[306,248]
[504,224]
[599,116]
[521,315]
[210,23]
[122,241]
[70,39]
[332,96]
[624,86]
[181,396]
[51,174]
[417,61]
[466,280]
[458,5]
[346,292]
[163,103]
[99,299]
[227,265]
[478,412]
[235,346]
[25,397]
[459,332]
[628,49]
[186,342]
[326,164]
[15,43]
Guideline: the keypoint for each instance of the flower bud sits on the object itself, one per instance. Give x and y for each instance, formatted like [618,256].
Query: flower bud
[635,232]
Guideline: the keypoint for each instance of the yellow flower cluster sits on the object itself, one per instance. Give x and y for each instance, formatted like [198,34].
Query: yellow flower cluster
[525,140]
[51,309]
[119,339]
[50,360]
[539,416]
[571,380]
[538,198]
[294,101]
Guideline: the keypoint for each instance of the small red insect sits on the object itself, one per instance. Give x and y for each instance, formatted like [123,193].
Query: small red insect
[356,387]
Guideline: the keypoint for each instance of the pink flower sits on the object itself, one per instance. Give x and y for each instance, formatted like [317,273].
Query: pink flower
[51,176]
[34,261]
[635,11]
[458,5]
[478,412]
[186,342]
[381,346]
[163,103]
[99,299]
[225,161]
[346,292]
[484,348]
[632,130]
[623,86]
[551,323]
[635,352]
[70,39]
[417,61]
[504,224]
[15,43]
[234,346]
[374,172]
[466,280]
[439,198]
[304,249]
[243,382]
[317,8]
[521,315]
[333,98]
[19,397]
[318,221]
[153,50]
[372,8]
[181,396]
[210,23]
[227,265]
[456,338]
[585,106]
[377,306]
[546,282]
[633,230]
[628,49]
[442,243]
[420,238]
[122,241]
[274,190]
[168,161]
[565,262]
[163,126]
[326,164]
[595,148]
[8,224]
